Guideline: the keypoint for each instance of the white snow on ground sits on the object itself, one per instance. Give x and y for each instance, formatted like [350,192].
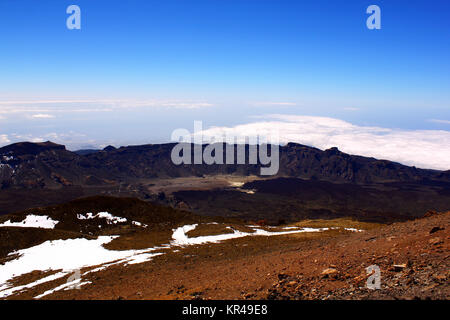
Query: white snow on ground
[353,230]
[32,221]
[181,239]
[347,229]
[105,215]
[6,290]
[139,224]
[75,283]
[179,234]
[261,232]
[142,257]
[65,255]
[334,228]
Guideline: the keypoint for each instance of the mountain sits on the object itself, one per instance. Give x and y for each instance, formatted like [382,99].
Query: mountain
[48,165]
[30,148]
[83,152]
[36,174]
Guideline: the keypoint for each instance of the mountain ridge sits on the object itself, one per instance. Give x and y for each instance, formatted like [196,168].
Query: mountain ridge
[338,184]
[49,165]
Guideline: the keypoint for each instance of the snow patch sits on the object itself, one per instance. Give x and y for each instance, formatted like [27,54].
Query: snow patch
[353,230]
[6,290]
[66,286]
[33,221]
[181,239]
[139,224]
[105,215]
[66,255]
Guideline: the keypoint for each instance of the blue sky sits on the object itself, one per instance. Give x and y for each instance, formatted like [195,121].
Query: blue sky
[139,69]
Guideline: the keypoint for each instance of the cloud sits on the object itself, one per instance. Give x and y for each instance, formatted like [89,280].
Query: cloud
[351,109]
[42,116]
[420,148]
[71,138]
[274,104]
[94,105]
[439,121]
[4,139]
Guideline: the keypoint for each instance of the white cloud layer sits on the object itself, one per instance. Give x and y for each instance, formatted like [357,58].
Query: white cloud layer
[42,116]
[420,148]
[72,140]
[4,139]
[283,104]
[38,108]
[440,121]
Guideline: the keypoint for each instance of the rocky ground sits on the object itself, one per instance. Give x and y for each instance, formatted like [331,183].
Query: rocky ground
[413,258]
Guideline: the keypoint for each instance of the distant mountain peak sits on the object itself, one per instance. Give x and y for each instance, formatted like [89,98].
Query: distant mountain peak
[109,148]
[30,148]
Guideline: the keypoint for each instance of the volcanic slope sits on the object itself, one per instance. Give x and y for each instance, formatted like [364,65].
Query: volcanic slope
[53,249]
[311,259]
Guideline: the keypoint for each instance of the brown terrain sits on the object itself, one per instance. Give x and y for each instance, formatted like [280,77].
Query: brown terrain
[413,258]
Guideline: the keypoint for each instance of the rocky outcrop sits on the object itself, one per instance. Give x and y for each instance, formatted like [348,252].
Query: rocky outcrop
[411,257]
